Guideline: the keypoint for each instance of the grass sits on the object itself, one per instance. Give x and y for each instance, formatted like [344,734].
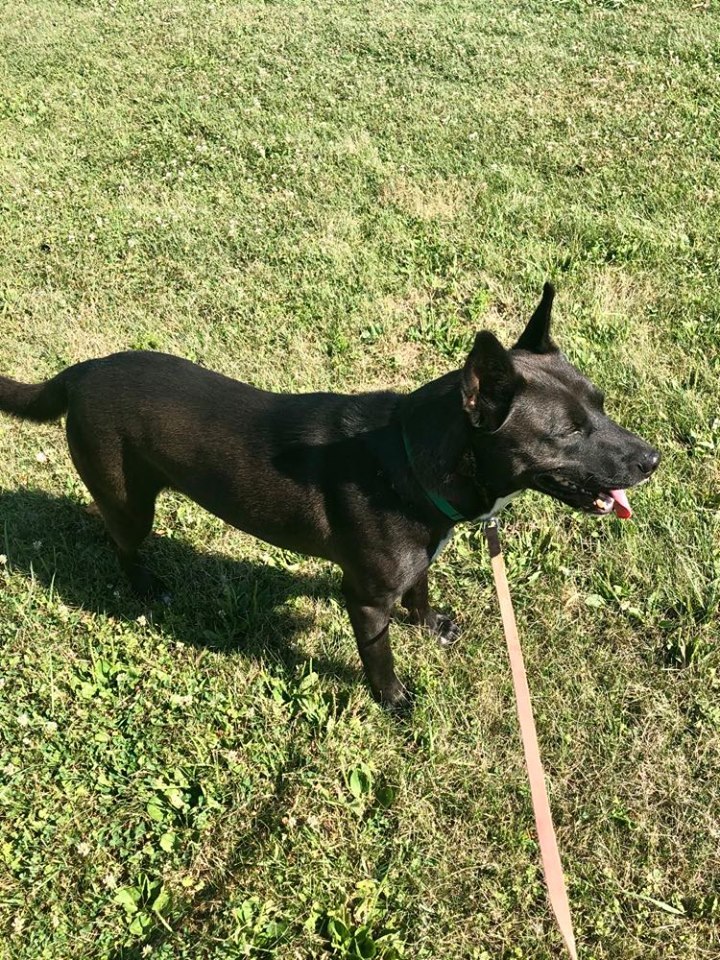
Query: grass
[336,196]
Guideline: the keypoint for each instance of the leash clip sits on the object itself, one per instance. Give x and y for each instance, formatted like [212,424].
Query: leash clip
[491,529]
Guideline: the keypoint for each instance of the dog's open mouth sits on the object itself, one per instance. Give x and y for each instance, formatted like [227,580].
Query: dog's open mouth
[599,502]
[615,500]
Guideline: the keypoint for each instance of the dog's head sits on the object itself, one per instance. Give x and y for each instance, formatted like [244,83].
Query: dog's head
[543,425]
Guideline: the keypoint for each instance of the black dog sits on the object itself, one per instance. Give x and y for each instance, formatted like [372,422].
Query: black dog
[373,482]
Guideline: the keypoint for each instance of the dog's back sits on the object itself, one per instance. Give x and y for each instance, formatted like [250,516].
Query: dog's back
[272,464]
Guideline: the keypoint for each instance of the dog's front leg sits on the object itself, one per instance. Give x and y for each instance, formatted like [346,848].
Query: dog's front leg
[415,600]
[370,620]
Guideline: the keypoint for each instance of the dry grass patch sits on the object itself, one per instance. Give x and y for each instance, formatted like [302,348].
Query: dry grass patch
[440,200]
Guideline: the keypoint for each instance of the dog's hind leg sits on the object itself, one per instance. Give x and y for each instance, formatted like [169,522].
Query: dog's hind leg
[124,491]
[128,524]
[415,600]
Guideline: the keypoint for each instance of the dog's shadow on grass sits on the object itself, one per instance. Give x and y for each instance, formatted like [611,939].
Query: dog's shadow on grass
[216,602]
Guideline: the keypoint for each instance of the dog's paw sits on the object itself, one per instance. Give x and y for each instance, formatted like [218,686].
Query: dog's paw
[446,630]
[147,586]
[397,699]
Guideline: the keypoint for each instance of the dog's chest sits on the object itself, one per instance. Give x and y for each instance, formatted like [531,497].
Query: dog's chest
[499,504]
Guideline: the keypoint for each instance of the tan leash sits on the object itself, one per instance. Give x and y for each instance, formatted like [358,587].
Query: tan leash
[552,867]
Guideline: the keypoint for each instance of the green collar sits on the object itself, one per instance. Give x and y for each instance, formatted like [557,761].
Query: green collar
[440,502]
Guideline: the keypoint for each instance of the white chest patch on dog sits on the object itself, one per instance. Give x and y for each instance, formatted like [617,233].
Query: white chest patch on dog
[499,505]
[441,546]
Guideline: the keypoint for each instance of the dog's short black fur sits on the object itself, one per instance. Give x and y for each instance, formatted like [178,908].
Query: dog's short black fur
[349,478]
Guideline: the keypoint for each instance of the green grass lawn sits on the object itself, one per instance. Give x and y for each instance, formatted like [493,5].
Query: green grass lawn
[337,195]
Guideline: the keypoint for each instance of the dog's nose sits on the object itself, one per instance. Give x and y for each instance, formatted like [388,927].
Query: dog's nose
[649,461]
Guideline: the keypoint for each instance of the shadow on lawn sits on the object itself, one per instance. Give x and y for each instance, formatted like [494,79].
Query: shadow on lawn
[221,604]
[217,603]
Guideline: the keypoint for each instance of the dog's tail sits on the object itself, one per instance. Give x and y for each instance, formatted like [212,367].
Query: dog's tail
[35,401]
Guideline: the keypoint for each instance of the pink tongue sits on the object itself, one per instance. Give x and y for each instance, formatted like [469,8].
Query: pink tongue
[621,506]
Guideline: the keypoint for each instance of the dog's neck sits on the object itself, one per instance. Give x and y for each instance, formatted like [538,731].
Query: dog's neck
[438,436]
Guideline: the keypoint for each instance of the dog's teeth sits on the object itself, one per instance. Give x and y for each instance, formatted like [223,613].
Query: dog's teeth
[600,503]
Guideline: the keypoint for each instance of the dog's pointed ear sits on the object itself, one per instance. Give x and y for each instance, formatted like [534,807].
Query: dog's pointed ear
[489,382]
[536,335]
